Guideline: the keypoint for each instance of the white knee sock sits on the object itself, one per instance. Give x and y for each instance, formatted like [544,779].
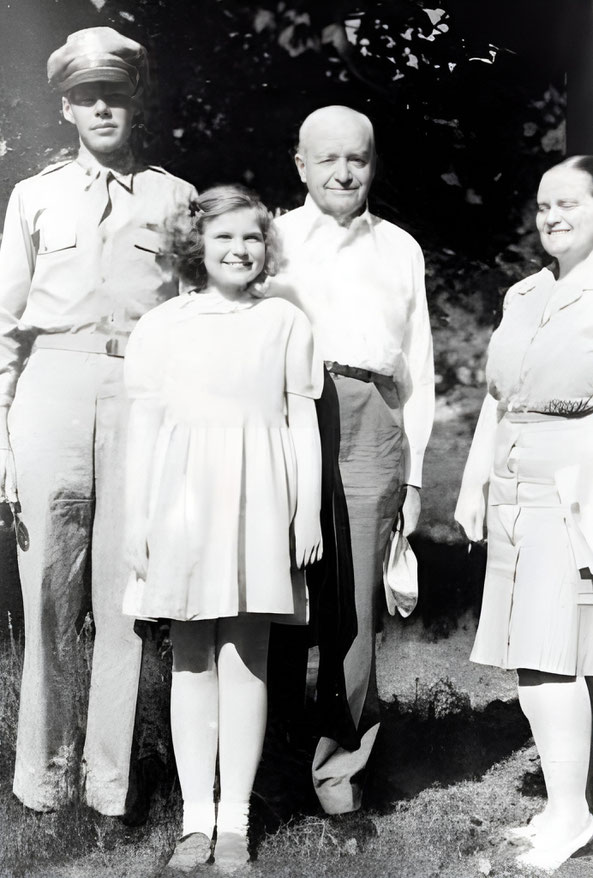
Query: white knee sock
[198,817]
[242,714]
[232,817]
[194,729]
[560,719]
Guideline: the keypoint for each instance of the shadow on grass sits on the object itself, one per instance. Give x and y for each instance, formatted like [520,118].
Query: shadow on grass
[441,743]
[440,740]
[413,753]
[450,582]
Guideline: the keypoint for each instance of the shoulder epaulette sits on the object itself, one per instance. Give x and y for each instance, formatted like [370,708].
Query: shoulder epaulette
[520,288]
[525,285]
[56,167]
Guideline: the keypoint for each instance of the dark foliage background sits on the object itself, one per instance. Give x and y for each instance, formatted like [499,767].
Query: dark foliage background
[468,100]
[466,97]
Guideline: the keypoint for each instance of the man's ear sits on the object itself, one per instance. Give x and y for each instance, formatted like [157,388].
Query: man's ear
[300,163]
[67,110]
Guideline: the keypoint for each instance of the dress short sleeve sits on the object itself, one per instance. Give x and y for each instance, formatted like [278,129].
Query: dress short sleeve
[145,359]
[304,366]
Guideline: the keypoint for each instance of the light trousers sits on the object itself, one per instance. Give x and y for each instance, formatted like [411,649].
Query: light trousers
[371,466]
[68,434]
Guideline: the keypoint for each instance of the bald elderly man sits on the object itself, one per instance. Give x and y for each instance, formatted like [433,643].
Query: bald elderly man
[360,280]
[78,267]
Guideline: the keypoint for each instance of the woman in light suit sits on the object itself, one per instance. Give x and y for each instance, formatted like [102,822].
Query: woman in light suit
[529,474]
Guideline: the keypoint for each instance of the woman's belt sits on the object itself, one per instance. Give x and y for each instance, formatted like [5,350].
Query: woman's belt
[563,408]
[86,341]
[366,375]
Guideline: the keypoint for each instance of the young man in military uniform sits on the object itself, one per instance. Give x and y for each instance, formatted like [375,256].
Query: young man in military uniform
[78,266]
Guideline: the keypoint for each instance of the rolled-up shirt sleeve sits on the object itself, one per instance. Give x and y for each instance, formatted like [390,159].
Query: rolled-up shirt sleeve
[17,260]
[418,411]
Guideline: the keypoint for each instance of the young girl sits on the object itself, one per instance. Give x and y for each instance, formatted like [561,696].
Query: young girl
[223,483]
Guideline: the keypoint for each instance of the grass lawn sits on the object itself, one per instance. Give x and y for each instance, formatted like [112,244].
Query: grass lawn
[450,832]
[451,829]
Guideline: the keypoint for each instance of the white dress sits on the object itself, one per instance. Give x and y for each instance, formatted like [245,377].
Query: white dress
[223,482]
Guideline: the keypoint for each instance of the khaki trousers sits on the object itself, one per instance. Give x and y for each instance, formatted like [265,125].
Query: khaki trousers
[67,428]
[371,465]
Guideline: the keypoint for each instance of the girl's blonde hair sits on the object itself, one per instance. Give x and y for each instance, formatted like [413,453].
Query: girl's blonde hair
[186,232]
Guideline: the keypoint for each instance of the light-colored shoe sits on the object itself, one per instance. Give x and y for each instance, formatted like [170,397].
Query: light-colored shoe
[528,830]
[550,857]
[231,852]
[190,851]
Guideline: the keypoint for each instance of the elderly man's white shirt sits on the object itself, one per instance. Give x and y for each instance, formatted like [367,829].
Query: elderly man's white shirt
[362,287]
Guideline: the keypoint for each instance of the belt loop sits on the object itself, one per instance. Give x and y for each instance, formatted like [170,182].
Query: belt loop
[112,347]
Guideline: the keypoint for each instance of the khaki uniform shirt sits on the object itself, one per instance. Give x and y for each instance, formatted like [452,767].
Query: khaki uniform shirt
[80,250]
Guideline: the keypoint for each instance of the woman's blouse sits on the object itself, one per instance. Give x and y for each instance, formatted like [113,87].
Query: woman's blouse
[540,358]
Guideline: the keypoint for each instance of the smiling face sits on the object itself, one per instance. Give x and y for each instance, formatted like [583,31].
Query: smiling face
[103,113]
[234,250]
[336,160]
[565,214]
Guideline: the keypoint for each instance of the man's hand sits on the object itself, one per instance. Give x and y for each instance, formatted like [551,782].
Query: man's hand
[308,540]
[8,492]
[411,509]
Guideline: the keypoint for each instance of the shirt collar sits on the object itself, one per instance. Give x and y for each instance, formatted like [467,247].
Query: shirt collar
[317,219]
[564,294]
[574,289]
[213,302]
[93,170]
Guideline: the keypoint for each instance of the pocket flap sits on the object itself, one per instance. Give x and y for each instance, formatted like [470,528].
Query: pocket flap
[147,239]
[57,231]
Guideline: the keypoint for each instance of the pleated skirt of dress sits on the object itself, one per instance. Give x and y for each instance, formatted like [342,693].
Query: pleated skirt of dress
[222,502]
[534,611]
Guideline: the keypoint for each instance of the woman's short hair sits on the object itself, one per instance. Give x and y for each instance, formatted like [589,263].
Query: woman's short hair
[579,163]
[186,232]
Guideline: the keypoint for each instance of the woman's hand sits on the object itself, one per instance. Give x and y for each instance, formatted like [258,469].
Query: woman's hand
[8,491]
[470,513]
[136,549]
[308,539]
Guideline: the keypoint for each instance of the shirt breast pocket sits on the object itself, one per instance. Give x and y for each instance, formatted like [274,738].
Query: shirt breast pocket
[56,232]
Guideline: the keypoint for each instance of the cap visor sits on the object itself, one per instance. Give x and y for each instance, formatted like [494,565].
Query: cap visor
[98,74]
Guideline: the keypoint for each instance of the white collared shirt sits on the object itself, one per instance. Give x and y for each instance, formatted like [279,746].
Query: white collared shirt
[362,287]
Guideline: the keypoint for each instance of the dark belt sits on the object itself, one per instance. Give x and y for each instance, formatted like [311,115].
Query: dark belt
[365,375]
[85,342]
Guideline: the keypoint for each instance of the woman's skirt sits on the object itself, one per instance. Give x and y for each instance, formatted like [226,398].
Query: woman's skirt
[536,610]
